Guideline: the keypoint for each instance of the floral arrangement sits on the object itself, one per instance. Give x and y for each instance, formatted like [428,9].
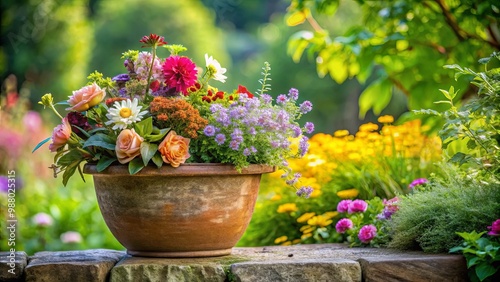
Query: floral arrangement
[163,111]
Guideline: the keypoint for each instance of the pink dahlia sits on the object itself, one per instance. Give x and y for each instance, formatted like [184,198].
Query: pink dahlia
[343,205]
[343,225]
[367,233]
[180,73]
[357,206]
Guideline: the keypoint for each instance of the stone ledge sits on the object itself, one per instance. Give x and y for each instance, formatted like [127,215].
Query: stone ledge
[322,262]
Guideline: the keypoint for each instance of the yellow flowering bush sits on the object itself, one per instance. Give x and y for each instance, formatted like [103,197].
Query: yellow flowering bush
[380,160]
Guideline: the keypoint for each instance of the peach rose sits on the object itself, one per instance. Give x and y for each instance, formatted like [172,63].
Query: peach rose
[128,145]
[85,98]
[60,135]
[174,149]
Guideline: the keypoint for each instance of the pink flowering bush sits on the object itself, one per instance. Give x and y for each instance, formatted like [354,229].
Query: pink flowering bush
[164,111]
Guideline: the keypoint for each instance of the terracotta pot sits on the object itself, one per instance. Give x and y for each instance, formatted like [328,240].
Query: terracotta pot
[195,210]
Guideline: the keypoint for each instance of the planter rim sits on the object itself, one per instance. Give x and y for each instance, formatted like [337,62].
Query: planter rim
[188,169]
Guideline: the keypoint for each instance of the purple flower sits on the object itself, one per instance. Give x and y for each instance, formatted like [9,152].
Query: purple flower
[235,145]
[494,228]
[220,138]
[294,180]
[209,130]
[367,233]
[305,107]
[343,206]
[124,77]
[4,184]
[296,131]
[390,207]
[281,99]
[303,146]
[416,182]
[42,219]
[309,126]
[305,191]
[293,94]
[266,98]
[357,206]
[343,225]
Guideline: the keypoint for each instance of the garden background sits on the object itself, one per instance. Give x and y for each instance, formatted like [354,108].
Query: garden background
[365,66]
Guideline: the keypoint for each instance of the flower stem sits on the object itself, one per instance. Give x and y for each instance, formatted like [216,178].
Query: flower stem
[151,70]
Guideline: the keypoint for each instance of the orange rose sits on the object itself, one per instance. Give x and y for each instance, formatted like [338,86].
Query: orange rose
[60,135]
[128,145]
[174,149]
[85,98]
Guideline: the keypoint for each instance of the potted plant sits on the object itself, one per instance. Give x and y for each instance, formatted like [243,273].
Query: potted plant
[176,162]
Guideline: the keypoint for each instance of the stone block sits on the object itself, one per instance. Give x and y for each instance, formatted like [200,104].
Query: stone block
[427,268]
[12,266]
[140,269]
[316,270]
[73,266]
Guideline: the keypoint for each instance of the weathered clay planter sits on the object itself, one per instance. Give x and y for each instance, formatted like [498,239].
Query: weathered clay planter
[195,210]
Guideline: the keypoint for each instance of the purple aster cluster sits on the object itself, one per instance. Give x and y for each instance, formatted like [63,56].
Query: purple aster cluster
[304,191]
[255,130]
[390,207]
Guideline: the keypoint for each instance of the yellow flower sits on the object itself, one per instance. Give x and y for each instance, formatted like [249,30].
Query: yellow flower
[276,197]
[287,243]
[296,241]
[280,239]
[386,119]
[348,194]
[341,133]
[330,214]
[307,229]
[319,220]
[367,127]
[305,217]
[288,207]
[305,236]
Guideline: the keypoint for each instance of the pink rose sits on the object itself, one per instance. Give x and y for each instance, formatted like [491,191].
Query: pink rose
[128,145]
[367,233]
[357,206]
[60,135]
[343,225]
[343,205]
[85,98]
[174,149]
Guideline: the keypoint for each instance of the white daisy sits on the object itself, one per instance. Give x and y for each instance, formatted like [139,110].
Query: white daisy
[216,71]
[123,113]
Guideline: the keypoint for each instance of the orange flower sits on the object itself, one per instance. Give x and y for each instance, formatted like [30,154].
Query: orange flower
[128,145]
[60,135]
[85,98]
[174,149]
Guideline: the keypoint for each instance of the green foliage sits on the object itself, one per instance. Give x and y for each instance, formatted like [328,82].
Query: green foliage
[482,255]
[429,219]
[401,43]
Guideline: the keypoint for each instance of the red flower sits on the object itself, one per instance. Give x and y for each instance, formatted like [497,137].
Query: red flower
[153,40]
[243,89]
[155,85]
[180,73]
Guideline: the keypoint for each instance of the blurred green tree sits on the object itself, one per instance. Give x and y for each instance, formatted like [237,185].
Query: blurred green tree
[404,44]
[119,27]
[46,45]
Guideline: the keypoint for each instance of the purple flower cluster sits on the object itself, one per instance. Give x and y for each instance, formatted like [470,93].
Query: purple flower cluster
[416,182]
[305,191]
[390,207]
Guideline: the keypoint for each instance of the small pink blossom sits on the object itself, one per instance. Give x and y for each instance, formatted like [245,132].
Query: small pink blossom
[42,219]
[416,182]
[367,233]
[343,205]
[343,225]
[357,206]
[494,228]
[71,237]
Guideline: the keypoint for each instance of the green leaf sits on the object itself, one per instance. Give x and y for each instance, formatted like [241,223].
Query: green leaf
[157,137]
[144,127]
[69,158]
[157,159]
[69,171]
[104,162]
[485,270]
[376,96]
[473,261]
[148,150]
[41,143]
[100,140]
[135,165]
